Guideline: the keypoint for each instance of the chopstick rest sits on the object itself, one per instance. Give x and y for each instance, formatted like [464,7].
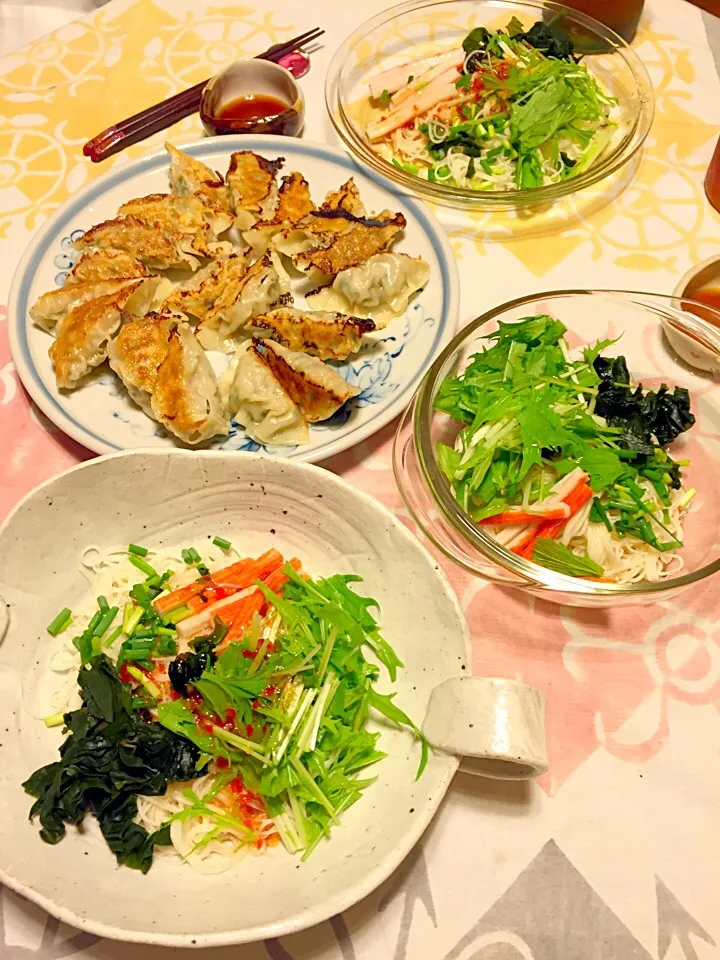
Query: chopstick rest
[496,726]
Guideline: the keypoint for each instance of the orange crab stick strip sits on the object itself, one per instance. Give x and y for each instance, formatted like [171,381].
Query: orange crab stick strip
[236,577]
[245,573]
[240,616]
[574,499]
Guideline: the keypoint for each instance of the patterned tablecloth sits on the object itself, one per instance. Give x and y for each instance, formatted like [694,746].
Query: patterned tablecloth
[616,853]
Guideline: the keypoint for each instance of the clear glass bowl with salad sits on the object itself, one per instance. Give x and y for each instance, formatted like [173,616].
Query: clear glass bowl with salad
[560,445]
[489,104]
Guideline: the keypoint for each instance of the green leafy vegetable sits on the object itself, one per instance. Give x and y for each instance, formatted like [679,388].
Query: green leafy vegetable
[556,556]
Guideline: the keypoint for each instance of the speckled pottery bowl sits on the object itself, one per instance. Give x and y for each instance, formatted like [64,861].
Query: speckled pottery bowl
[164,497]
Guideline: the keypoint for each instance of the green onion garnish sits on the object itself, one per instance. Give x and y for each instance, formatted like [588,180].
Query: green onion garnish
[175,616]
[60,622]
[102,603]
[113,637]
[167,647]
[54,720]
[105,621]
[142,565]
[138,551]
[132,615]
[222,543]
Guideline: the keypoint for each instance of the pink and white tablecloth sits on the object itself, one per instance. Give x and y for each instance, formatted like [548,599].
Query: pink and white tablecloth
[615,854]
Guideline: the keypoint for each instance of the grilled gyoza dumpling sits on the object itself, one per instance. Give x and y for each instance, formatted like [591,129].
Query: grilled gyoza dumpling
[293,204]
[316,387]
[329,336]
[198,295]
[186,399]
[253,185]
[265,283]
[137,352]
[258,402]
[52,306]
[167,373]
[105,265]
[365,238]
[317,230]
[380,288]
[189,176]
[82,336]
[184,214]
[154,246]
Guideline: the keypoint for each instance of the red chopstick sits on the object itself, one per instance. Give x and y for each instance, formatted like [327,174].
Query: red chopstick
[161,115]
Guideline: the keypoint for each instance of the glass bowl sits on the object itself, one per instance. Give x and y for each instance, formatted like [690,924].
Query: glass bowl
[416,29]
[589,315]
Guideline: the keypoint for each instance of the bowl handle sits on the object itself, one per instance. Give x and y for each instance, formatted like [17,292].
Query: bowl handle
[496,726]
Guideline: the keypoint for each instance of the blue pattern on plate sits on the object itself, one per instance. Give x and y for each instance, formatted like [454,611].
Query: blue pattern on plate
[67,259]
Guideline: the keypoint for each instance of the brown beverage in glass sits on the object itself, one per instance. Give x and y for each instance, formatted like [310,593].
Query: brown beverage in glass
[622,16]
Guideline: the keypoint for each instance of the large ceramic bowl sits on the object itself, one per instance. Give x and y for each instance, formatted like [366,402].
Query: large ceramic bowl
[170,497]
[410,30]
[641,321]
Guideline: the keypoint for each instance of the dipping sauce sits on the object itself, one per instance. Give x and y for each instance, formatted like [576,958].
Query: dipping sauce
[254,107]
[710,295]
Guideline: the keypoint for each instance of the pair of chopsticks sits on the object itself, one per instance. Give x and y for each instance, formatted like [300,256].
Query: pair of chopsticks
[164,114]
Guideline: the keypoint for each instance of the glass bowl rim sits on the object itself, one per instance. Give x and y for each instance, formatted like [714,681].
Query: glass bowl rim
[532,574]
[501,200]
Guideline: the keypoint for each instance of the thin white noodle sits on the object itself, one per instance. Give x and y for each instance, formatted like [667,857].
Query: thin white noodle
[110,574]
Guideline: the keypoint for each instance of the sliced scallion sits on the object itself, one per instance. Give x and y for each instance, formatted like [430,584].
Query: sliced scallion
[142,565]
[222,543]
[138,551]
[60,622]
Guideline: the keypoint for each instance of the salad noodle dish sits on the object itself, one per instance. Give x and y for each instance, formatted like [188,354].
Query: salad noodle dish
[213,705]
[508,110]
[562,459]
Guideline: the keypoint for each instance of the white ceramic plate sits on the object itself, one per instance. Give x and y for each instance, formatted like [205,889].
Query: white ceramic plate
[102,417]
[173,497]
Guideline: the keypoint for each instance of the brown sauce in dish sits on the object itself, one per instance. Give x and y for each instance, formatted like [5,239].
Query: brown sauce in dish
[257,106]
[253,113]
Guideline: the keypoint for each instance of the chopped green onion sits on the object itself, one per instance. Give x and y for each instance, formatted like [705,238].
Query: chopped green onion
[152,688]
[167,647]
[165,632]
[175,616]
[142,565]
[102,603]
[132,615]
[222,543]
[598,514]
[94,621]
[144,633]
[54,720]
[60,622]
[687,498]
[113,637]
[138,551]
[105,621]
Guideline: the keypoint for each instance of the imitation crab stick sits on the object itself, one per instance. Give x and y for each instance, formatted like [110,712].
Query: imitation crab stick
[441,88]
[422,80]
[229,580]
[574,499]
[397,77]
[520,516]
[238,617]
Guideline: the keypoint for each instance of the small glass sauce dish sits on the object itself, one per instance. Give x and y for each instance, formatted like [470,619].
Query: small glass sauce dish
[253,96]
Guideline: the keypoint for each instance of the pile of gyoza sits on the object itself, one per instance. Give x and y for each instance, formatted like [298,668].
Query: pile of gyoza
[206,267]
